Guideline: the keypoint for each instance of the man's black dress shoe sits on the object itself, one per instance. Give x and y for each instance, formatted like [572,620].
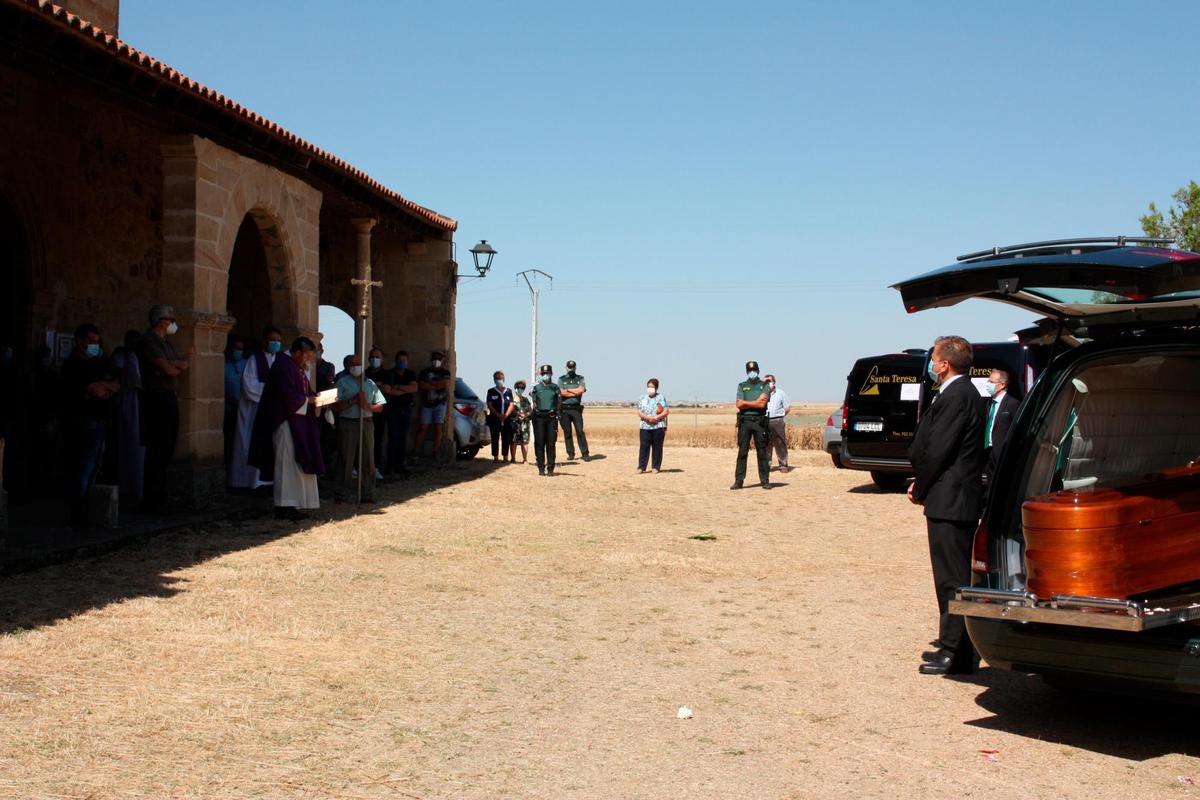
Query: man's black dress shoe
[930,655]
[736,486]
[765,485]
[944,664]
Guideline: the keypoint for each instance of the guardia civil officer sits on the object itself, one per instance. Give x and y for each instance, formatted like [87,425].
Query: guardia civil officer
[547,402]
[753,395]
[572,387]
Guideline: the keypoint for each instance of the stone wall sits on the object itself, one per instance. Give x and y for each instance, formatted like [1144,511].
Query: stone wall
[208,191]
[86,181]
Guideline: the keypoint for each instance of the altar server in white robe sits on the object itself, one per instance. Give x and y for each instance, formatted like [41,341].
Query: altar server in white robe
[242,475]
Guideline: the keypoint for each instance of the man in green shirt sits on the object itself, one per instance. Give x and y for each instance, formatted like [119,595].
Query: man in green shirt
[573,387]
[547,405]
[753,395]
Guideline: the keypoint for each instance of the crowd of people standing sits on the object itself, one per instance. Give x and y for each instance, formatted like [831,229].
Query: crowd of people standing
[116,415]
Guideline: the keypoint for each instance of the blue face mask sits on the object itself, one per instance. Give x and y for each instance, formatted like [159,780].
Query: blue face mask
[992,388]
[499,383]
[238,355]
[545,379]
[929,371]
[93,350]
[376,363]
[752,375]
[401,364]
[274,347]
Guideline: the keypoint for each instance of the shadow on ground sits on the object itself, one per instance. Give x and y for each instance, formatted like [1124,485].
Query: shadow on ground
[143,562]
[1134,728]
[870,488]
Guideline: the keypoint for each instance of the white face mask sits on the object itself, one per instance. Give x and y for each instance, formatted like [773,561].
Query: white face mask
[356,371]
[172,329]
[651,391]
[437,362]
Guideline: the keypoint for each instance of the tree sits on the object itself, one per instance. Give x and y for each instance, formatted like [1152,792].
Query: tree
[1182,222]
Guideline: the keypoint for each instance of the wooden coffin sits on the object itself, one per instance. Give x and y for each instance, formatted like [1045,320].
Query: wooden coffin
[1115,542]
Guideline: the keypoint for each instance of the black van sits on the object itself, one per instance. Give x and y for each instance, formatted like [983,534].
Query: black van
[879,415]
[886,396]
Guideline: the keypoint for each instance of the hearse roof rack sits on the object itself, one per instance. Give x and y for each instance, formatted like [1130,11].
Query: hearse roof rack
[1087,243]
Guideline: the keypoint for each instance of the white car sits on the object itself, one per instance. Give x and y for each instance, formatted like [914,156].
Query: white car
[832,438]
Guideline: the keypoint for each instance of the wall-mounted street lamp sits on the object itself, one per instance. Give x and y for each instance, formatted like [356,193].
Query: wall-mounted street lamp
[482,254]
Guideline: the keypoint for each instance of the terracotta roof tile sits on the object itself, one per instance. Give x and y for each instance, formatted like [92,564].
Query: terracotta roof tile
[159,70]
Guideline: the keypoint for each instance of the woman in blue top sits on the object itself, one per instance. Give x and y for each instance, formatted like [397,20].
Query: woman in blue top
[652,411]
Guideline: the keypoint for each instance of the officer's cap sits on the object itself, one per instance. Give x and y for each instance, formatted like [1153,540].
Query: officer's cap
[751,366]
[546,370]
[570,365]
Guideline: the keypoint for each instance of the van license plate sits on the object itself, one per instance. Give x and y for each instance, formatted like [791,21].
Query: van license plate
[869,427]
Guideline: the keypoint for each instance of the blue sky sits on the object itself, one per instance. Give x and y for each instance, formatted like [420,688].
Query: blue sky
[713,182]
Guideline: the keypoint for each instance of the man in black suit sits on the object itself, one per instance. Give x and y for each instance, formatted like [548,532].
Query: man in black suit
[947,456]
[999,409]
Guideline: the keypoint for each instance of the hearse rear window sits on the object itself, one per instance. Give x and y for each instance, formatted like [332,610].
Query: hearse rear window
[1117,420]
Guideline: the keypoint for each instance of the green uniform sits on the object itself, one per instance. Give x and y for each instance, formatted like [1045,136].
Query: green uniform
[572,414]
[752,424]
[545,400]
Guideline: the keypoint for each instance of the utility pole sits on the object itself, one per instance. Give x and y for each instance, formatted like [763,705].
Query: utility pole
[534,292]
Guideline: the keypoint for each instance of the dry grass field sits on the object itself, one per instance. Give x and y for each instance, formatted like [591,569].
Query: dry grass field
[714,426]
[491,634]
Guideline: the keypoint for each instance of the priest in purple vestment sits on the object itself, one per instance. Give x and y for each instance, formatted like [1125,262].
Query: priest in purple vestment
[286,443]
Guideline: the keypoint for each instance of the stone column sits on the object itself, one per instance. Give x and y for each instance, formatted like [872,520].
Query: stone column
[362,230]
[442,250]
[192,277]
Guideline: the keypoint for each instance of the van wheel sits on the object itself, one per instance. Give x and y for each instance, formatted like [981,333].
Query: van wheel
[837,461]
[889,481]
[468,454]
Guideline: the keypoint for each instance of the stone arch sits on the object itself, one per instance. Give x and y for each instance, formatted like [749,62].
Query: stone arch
[209,192]
[260,286]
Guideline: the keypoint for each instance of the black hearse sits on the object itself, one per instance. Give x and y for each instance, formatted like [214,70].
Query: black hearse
[1114,409]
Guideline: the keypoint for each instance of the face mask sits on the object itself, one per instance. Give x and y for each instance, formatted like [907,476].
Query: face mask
[274,347]
[771,384]
[437,362]
[356,371]
[499,383]
[519,389]
[172,329]
[93,350]
[401,364]
[651,391]
[752,375]
[376,363]
[238,355]
[929,370]
[571,372]
[992,388]
[545,379]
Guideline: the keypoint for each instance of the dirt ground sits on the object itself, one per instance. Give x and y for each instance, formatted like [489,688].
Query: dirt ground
[495,634]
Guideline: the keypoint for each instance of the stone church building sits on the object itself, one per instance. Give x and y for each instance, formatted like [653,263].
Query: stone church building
[124,183]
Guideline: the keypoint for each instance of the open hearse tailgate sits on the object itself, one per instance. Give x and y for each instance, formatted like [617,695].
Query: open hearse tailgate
[1072,286]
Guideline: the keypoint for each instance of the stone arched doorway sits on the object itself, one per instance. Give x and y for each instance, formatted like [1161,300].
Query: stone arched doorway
[260,288]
